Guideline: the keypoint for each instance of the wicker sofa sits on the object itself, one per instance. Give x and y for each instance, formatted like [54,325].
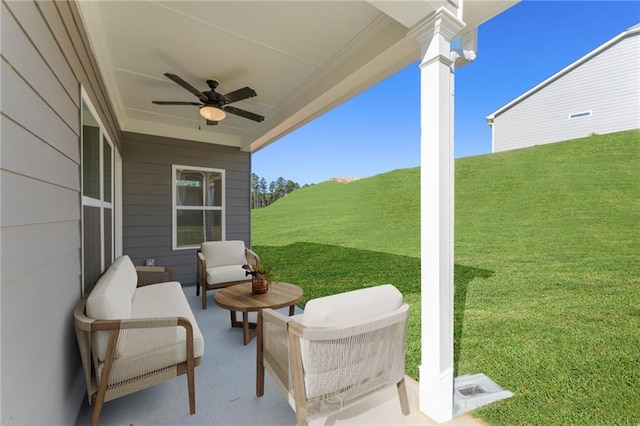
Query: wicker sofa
[133,337]
[343,348]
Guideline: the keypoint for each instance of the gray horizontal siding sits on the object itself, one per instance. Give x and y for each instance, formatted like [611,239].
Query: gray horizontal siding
[36,117]
[36,71]
[607,85]
[45,58]
[25,154]
[147,210]
[64,18]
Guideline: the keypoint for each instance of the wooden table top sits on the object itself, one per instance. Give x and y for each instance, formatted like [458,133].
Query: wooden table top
[239,297]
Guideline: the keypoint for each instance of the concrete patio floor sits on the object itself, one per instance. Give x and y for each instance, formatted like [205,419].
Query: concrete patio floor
[225,390]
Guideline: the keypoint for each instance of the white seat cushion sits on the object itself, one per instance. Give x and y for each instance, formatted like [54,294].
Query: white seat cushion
[225,274]
[221,253]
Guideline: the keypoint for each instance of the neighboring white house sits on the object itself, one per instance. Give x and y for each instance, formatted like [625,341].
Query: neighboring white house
[598,93]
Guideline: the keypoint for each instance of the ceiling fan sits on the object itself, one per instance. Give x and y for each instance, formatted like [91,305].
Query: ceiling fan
[213,105]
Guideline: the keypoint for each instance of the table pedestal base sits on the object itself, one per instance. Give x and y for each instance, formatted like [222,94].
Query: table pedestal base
[248,328]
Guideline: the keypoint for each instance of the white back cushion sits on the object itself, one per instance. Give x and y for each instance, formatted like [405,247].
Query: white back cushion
[110,299]
[222,253]
[126,272]
[351,306]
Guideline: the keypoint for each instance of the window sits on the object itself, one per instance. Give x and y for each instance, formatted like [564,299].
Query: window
[579,115]
[198,206]
[98,160]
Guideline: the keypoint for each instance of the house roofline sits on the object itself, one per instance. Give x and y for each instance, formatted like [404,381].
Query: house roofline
[626,33]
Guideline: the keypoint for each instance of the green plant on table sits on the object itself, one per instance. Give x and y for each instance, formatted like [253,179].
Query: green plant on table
[260,271]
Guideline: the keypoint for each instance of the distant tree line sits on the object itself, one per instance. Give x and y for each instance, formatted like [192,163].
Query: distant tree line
[263,195]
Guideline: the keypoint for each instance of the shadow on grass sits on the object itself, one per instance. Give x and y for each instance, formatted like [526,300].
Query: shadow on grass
[462,276]
[326,269]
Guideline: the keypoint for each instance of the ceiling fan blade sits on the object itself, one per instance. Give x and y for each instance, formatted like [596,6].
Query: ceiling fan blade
[212,123]
[187,86]
[243,113]
[175,103]
[238,95]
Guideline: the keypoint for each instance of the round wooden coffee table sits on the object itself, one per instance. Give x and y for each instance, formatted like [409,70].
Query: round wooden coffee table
[239,298]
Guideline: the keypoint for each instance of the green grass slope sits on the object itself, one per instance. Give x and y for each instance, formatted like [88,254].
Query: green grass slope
[547,274]
[379,214]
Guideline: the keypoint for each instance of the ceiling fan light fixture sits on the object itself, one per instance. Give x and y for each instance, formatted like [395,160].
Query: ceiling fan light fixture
[212,113]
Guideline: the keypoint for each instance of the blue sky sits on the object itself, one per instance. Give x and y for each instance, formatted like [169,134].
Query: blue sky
[516,50]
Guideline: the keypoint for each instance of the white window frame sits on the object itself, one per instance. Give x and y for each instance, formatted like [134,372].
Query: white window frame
[175,207]
[116,196]
[116,178]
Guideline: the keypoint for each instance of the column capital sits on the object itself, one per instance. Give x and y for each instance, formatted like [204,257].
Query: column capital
[441,21]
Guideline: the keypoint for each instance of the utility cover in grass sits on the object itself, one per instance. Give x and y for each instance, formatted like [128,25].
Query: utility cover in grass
[471,392]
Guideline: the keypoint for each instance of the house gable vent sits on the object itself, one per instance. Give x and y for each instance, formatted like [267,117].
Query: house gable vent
[580,115]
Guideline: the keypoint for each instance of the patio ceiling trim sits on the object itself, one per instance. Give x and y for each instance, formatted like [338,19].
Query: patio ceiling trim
[368,44]
[348,64]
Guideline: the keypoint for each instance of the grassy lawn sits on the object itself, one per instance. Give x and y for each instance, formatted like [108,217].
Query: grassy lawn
[547,274]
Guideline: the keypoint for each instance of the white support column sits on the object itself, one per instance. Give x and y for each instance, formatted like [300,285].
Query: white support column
[437,211]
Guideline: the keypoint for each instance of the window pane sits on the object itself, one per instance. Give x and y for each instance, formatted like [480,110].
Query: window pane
[189,186]
[213,225]
[107,169]
[198,191]
[193,226]
[214,189]
[91,247]
[108,238]
[190,227]
[90,155]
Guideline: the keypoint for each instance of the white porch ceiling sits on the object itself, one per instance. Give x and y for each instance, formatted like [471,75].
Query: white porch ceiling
[301,57]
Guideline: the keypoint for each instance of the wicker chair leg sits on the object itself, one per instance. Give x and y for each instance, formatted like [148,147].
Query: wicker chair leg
[97,408]
[104,380]
[199,273]
[402,394]
[204,296]
[301,421]
[192,389]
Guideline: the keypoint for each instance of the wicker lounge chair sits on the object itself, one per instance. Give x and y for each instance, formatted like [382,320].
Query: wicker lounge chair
[219,264]
[342,349]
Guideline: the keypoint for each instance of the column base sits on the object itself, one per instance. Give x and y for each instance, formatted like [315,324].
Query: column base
[436,395]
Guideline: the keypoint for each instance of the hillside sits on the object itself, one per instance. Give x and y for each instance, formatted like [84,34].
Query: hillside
[547,289]
[381,213]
